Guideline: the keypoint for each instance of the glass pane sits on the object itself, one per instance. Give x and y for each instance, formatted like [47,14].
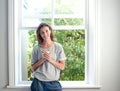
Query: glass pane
[36,7]
[27,41]
[70,7]
[33,10]
[73,42]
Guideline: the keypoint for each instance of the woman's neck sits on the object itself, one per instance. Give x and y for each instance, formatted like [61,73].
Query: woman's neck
[47,44]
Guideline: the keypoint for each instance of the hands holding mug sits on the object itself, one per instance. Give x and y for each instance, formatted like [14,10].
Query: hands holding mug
[47,55]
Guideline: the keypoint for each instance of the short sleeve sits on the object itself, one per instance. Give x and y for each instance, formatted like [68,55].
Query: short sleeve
[61,54]
[34,55]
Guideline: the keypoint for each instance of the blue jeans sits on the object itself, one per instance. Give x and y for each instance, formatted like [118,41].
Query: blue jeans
[38,85]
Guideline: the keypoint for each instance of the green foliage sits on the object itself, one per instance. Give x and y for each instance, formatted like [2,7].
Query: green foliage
[73,42]
[31,42]
[68,21]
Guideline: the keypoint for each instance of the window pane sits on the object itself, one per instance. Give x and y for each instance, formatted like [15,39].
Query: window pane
[36,7]
[33,10]
[73,42]
[70,7]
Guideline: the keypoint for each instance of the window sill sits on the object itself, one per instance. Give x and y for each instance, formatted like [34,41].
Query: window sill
[85,86]
[65,85]
[78,84]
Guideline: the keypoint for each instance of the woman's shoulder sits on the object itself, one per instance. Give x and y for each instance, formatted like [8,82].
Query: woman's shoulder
[36,46]
[56,44]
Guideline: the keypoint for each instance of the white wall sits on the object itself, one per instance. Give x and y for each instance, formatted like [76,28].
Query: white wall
[109,47]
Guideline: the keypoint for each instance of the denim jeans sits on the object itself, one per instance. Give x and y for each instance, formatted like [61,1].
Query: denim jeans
[38,85]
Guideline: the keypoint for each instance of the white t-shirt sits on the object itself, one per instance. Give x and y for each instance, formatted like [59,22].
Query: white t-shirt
[47,71]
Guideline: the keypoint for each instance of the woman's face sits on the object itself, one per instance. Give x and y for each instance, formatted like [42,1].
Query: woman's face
[45,32]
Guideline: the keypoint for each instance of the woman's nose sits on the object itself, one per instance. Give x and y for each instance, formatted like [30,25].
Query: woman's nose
[45,34]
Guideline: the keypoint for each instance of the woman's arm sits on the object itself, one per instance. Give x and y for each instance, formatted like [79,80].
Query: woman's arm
[37,64]
[58,64]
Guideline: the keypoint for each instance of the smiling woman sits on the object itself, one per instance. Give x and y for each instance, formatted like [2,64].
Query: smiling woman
[46,65]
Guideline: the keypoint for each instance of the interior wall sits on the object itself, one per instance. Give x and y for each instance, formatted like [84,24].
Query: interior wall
[109,47]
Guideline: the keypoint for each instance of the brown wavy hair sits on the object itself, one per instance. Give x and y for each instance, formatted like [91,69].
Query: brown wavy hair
[39,38]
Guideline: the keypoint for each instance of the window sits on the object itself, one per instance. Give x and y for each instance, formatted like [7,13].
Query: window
[69,28]
[24,21]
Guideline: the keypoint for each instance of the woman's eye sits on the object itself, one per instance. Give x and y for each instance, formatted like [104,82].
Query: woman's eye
[42,32]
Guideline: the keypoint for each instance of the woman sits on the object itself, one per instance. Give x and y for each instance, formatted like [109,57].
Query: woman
[47,60]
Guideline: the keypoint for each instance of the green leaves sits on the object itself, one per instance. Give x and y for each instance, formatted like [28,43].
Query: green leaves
[73,42]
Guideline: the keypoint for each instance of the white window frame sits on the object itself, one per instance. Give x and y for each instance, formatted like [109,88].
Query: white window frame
[93,59]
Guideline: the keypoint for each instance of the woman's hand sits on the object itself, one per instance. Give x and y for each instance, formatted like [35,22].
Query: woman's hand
[47,55]
[58,64]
